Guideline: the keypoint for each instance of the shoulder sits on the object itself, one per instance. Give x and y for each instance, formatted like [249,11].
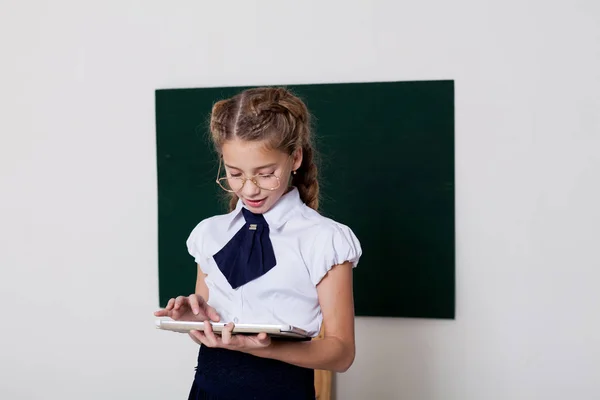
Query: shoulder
[327,243]
[212,228]
[213,222]
[321,226]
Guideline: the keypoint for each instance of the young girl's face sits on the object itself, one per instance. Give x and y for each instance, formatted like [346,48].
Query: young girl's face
[247,159]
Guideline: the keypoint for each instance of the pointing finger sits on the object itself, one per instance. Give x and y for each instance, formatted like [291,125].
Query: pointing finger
[193,299]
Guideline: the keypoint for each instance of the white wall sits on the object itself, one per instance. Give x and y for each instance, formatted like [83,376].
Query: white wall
[78,185]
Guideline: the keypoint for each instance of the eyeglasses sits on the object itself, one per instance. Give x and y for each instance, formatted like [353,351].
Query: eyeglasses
[233,184]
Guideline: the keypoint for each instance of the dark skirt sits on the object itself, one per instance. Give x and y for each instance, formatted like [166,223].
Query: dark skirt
[232,375]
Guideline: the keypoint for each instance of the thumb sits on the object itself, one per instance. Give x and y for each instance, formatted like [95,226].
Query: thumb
[263,338]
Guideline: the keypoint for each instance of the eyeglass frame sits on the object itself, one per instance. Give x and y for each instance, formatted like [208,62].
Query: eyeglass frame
[244,179]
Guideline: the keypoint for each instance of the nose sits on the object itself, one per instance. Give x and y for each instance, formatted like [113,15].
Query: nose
[250,190]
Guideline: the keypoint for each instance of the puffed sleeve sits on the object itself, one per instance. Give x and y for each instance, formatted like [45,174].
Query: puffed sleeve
[196,246]
[334,244]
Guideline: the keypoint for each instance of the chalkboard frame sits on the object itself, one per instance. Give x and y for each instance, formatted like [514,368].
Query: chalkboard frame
[386,170]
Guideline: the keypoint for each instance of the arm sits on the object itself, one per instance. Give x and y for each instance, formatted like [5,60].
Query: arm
[202,291]
[201,288]
[336,350]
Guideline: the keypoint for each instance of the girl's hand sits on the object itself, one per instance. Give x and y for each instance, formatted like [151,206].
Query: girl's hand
[191,308]
[229,341]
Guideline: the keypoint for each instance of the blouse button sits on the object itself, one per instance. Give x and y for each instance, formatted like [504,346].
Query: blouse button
[235,320]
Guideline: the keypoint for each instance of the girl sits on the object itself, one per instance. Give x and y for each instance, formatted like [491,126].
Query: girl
[273,259]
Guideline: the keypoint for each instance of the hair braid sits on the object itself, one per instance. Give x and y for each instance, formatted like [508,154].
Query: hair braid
[306,178]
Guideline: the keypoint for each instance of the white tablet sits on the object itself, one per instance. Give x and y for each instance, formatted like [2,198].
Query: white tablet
[283,331]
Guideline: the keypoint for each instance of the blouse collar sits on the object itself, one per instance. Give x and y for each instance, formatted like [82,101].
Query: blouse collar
[277,215]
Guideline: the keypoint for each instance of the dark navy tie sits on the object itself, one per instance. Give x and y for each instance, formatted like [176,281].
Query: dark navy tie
[249,254]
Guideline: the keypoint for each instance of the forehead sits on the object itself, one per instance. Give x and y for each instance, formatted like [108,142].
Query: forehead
[245,154]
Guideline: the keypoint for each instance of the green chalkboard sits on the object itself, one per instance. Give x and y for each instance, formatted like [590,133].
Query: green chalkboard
[387,171]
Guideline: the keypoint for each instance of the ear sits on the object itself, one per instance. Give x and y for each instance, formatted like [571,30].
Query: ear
[297,159]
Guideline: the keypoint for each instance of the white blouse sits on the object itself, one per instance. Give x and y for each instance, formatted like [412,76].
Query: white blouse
[306,245]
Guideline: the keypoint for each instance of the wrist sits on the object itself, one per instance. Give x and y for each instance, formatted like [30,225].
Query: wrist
[263,352]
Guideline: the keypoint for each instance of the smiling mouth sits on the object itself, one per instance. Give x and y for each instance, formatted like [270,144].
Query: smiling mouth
[255,202]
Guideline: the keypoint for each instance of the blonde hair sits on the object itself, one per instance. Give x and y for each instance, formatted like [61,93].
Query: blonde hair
[274,115]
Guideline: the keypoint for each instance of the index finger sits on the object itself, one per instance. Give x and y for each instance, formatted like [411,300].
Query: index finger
[194,303]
